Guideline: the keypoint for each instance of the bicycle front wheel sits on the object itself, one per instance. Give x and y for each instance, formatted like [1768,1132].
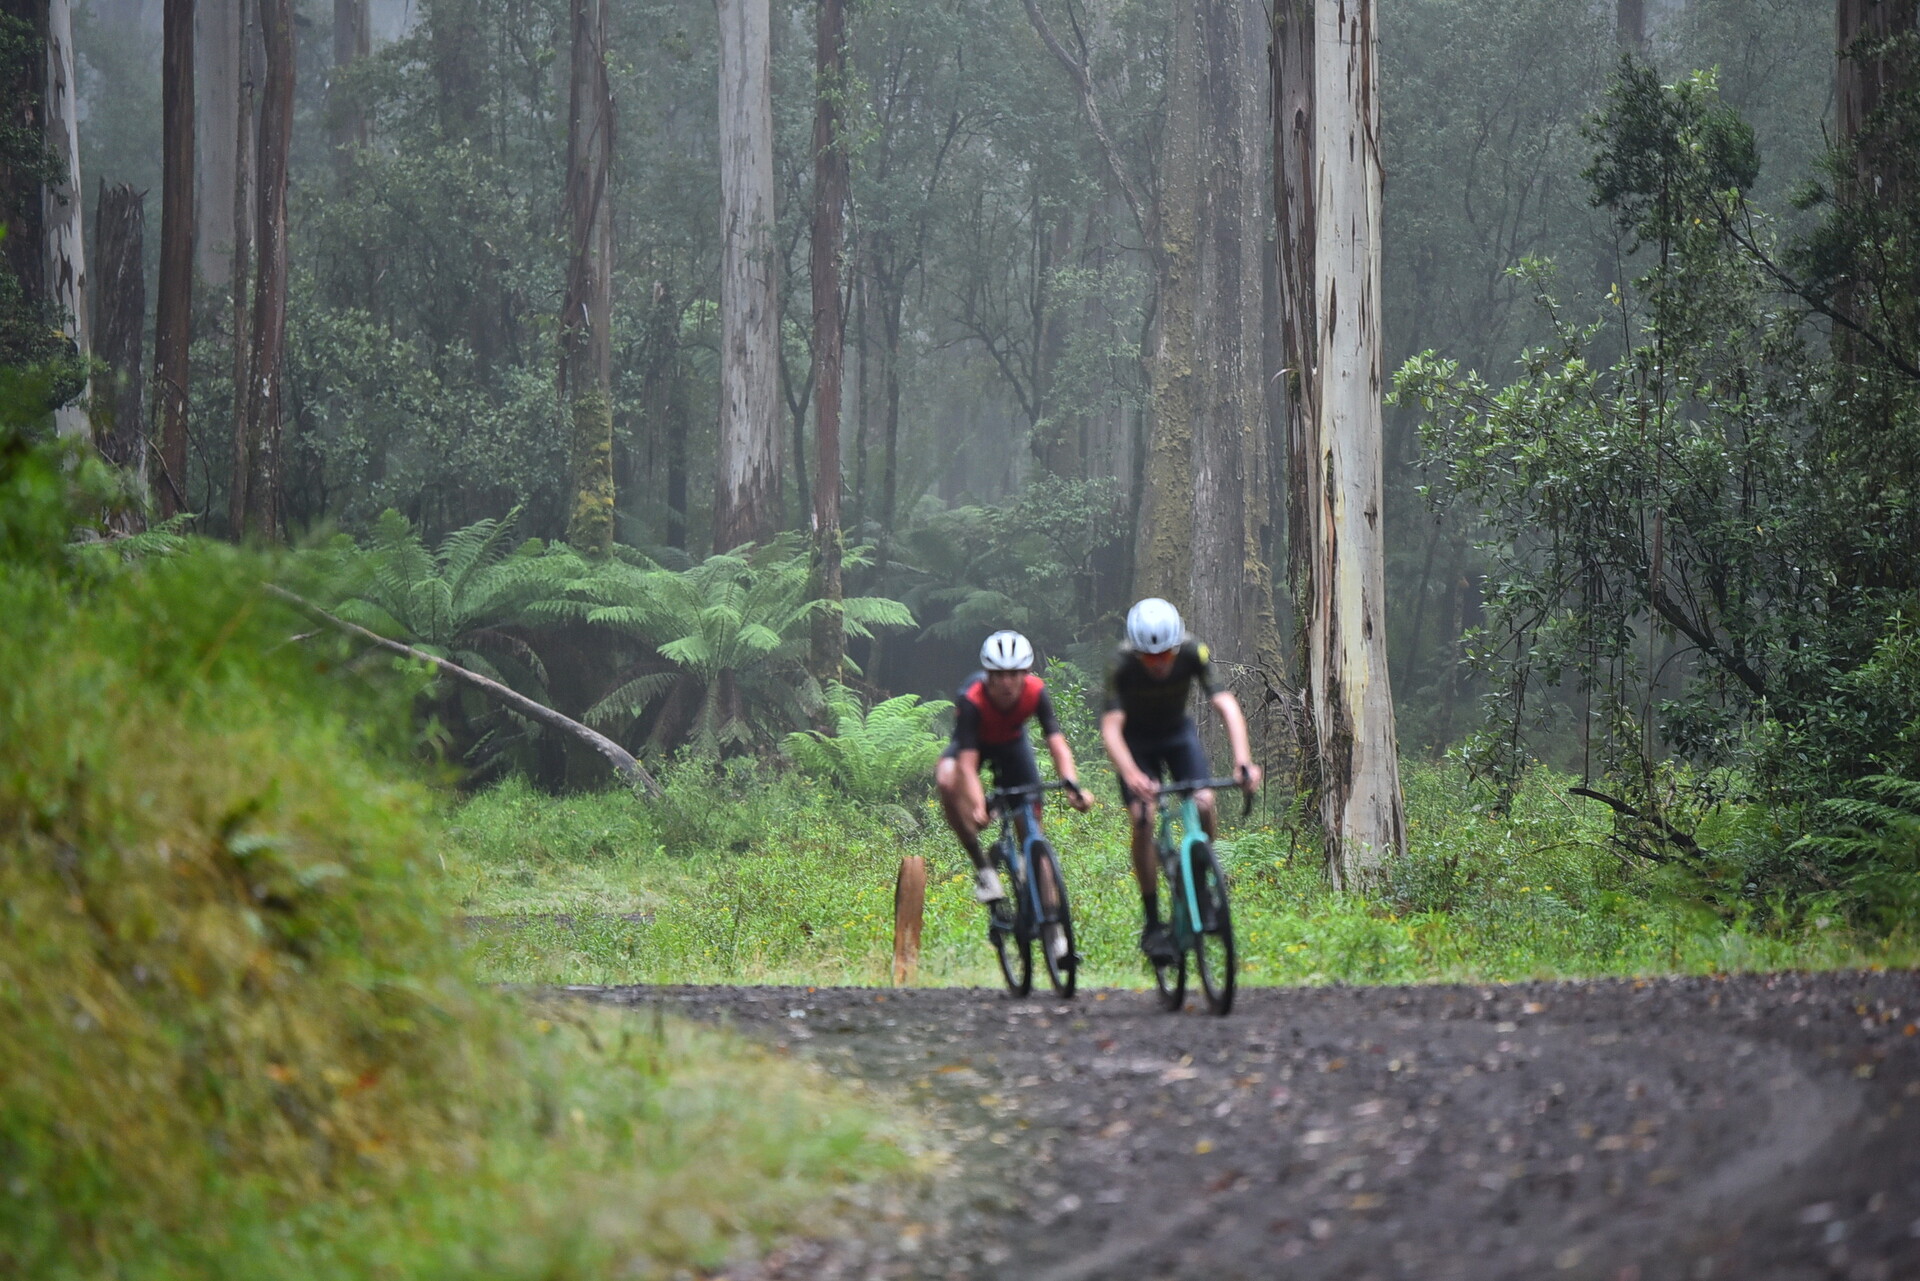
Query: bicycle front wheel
[1213,932]
[1170,976]
[1056,920]
[1012,945]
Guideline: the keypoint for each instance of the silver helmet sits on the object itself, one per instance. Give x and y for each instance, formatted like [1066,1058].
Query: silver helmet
[1153,626]
[1006,652]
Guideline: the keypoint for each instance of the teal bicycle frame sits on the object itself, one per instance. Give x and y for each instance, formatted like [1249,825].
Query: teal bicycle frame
[1188,925]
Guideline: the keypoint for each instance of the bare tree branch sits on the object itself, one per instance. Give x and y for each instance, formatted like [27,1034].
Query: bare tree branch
[1083,81]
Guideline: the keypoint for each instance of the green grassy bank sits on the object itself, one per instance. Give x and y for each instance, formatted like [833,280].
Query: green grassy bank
[747,874]
[237,1038]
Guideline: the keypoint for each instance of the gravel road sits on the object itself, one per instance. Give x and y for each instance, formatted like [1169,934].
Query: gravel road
[1756,1128]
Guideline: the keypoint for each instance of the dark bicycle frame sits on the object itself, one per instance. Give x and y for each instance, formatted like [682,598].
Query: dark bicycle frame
[1019,830]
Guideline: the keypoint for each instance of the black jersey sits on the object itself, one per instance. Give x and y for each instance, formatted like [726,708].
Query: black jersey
[1157,707]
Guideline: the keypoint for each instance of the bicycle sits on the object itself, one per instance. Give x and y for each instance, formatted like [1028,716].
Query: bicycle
[1031,873]
[1201,920]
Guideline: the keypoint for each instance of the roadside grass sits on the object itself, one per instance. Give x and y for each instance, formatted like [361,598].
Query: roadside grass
[235,1039]
[749,874]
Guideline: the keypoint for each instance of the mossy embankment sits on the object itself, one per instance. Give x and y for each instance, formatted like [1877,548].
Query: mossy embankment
[238,1038]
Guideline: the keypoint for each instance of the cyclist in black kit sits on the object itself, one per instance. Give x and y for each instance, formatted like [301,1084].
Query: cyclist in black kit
[990,715]
[1149,734]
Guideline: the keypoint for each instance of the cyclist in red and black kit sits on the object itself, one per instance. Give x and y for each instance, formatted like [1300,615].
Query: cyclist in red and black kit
[1148,733]
[990,718]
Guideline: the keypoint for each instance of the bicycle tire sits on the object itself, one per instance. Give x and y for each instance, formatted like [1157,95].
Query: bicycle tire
[1170,976]
[1213,950]
[1012,945]
[1054,936]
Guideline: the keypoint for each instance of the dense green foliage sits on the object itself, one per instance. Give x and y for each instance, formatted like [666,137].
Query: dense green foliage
[602,888]
[1705,546]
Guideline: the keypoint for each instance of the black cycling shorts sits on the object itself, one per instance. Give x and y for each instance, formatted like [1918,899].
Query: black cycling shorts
[1012,763]
[1176,757]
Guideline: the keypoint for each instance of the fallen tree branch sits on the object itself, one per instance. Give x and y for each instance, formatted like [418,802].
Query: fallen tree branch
[617,756]
[1680,839]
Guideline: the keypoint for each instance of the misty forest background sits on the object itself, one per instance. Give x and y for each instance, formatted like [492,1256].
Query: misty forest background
[1648,283]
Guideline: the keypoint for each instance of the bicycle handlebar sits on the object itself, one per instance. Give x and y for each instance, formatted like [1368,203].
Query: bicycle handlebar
[1203,784]
[999,797]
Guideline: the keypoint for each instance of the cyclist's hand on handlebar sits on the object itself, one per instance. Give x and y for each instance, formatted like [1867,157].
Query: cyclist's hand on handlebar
[1144,789]
[979,816]
[1249,775]
[1081,798]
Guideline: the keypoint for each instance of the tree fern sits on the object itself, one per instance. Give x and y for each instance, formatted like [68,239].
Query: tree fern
[476,600]
[1873,849]
[727,641]
[877,755]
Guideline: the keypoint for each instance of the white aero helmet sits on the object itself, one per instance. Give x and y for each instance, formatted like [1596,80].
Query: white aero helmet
[1006,652]
[1153,626]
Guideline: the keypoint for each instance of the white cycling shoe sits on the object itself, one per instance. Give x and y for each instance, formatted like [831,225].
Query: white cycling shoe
[986,885]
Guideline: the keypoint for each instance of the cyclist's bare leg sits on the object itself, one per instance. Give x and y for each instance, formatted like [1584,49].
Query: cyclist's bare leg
[1146,867]
[1203,801]
[951,782]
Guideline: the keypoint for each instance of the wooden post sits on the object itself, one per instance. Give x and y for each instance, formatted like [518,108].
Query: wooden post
[909,912]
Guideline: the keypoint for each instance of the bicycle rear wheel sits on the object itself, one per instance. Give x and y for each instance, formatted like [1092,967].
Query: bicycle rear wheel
[1213,936]
[1056,920]
[1012,945]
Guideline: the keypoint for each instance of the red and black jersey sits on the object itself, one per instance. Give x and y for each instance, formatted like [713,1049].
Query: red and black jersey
[979,725]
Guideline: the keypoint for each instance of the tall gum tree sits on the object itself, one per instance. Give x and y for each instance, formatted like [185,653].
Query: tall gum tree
[62,213]
[254,506]
[829,330]
[746,505]
[586,312]
[1360,801]
[214,74]
[173,310]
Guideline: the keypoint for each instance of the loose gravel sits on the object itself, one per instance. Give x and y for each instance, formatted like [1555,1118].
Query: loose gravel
[1759,1128]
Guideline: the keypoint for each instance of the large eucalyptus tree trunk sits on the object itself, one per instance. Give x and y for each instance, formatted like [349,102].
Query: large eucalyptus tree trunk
[1163,548]
[829,329]
[746,505]
[347,123]
[62,214]
[1862,81]
[1230,589]
[119,324]
[1630,25]
[258,468]
[586,312]
[1293,196]
[1360,803]
[173,312]
[214,68]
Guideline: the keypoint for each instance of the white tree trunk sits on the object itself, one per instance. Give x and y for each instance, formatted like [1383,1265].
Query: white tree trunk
[1361,807]
[61,210]
[747,471]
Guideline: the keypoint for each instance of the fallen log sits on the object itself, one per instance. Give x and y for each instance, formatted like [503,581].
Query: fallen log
[617,756]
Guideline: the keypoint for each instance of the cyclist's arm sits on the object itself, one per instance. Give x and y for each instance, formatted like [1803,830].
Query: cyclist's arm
[1112,735]
[1229,708]
[1062,753]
